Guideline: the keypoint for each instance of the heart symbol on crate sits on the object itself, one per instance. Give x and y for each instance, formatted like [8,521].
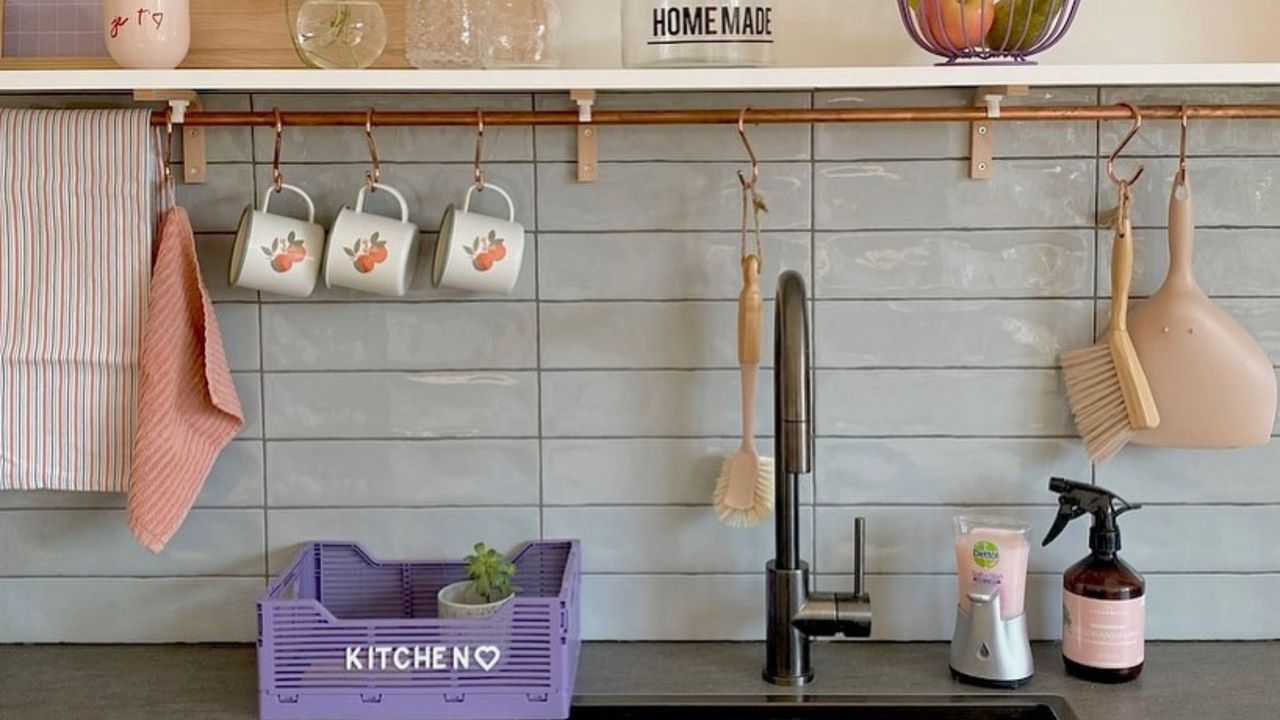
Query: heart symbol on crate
[487,657]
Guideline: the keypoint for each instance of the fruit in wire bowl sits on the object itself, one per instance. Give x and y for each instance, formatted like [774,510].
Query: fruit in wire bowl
[987,29]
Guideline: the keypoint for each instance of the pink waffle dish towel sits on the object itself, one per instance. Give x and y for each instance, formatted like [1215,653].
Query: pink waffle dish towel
[187,405]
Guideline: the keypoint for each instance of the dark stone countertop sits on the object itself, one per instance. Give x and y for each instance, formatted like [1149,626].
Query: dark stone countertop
[1182,681]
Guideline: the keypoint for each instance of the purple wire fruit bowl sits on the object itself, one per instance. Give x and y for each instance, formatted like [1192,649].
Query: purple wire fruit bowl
[342,636]
[995,32]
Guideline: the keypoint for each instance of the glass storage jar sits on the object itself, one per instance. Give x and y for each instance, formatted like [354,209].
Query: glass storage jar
[694,33]
[340,34]
[443,33]
[521,33]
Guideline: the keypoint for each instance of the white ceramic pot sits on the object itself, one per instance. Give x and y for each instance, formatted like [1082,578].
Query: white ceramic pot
[453,603]
[147,34]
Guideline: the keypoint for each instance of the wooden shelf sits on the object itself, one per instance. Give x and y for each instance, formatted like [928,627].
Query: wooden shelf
[40,81]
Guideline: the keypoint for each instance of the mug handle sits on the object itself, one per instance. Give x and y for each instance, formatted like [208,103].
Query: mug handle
[404,205]
[311,206]
[511,205]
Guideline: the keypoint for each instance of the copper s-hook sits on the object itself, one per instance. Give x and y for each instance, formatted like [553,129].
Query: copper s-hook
[1133,132]
[751,153]
[1182,146]
[167,150]
[277,175]
[374,176]
[479,167]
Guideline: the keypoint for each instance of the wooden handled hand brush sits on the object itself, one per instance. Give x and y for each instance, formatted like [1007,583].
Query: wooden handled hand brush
[1106,385]
[744,490]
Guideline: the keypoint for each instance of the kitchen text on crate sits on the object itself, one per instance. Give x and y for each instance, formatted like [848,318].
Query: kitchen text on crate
[422,657]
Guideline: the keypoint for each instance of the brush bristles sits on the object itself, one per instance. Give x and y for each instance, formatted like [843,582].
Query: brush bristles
[1097,401]
[762,501]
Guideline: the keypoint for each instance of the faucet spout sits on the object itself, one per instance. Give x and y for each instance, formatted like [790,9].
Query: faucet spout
[796,615]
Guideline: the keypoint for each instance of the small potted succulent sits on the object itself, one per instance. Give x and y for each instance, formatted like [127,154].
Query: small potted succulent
[486,590]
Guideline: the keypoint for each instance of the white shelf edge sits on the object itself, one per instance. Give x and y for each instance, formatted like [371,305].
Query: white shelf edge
[38,81]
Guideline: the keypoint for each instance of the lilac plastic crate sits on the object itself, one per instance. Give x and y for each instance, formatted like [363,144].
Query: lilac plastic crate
[335,598]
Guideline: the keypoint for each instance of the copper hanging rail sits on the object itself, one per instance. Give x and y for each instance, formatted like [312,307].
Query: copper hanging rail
[763,116]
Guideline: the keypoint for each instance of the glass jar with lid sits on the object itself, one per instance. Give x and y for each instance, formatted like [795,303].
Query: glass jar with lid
[444,33]
[694,33]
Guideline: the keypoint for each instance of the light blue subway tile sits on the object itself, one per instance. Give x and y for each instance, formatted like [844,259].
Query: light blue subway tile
[963,403]
[939,194]
[238,325]
[436,535]
[1221,538]
[688,540]
[945,471]
[358,473]
[1167,475]
[249,390]
[644,335]
[701,403]
[950,333]
[668,196]
[638,472]
[1022,263]
[126,610]
[358,406]
[98,543]
[1244,606]
[400,336]
[681,608]
[660,266]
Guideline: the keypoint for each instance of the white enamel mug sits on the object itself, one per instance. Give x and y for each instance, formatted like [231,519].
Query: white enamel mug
[372,253]
[478,253]
[276,253]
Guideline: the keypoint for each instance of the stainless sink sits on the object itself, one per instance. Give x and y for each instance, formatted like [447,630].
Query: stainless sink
[828,707]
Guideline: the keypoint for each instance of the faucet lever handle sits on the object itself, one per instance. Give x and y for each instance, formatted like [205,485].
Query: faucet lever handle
[860,557]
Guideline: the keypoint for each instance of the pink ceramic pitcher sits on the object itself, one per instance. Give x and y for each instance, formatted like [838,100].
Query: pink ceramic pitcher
[152,34]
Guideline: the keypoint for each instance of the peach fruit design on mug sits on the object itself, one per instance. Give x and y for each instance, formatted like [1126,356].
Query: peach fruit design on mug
[368,254]
[285,253]
[486,252]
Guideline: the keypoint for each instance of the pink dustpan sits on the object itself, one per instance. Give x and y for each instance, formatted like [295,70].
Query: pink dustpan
[1214,385]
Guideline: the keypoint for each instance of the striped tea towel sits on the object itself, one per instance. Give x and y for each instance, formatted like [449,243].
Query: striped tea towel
[188,409]
[76,223]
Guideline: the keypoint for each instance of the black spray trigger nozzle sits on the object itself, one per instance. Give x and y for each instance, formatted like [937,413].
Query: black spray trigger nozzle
[1078,499]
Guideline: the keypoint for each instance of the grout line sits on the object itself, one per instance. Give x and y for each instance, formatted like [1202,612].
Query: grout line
[813,317]
[537,320]
[1097,247]
[262,380]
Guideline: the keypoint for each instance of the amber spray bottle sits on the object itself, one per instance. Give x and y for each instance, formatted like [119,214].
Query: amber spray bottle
[1103,598]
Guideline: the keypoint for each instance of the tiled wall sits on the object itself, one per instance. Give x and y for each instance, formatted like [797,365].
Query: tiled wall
[597,400]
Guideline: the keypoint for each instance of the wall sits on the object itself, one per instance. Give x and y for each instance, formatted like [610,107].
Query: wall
[843,33]
[596,401]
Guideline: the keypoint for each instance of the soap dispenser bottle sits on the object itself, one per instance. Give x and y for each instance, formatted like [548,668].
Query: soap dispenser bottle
[1103,598]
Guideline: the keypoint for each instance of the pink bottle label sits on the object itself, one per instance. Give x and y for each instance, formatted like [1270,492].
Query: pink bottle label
[1106,634]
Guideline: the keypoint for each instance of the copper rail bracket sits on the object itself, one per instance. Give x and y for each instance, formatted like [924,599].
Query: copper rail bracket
[588,136]
[982,145]
[195,170]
